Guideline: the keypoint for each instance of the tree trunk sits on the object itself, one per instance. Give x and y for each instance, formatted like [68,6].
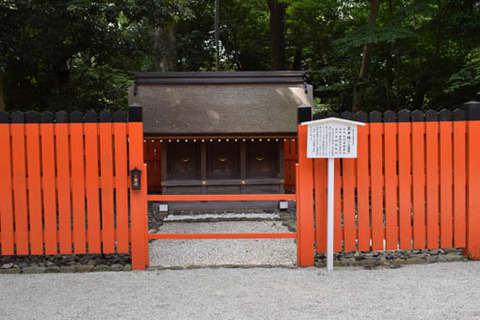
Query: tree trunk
[165,46]
[217,36]
[367,52]
[2,94]
[277,35]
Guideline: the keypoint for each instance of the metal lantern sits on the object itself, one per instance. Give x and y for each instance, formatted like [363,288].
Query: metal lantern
[136,176]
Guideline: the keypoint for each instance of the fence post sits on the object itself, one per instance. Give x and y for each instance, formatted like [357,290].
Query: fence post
[305,231]
[137,197]
[472,110]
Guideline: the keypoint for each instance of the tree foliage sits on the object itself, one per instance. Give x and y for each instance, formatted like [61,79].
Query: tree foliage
[75,54]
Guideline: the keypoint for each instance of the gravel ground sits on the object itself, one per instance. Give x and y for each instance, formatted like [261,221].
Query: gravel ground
[432,291]
[241,252]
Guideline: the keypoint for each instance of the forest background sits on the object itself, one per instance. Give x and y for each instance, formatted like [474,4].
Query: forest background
[362,55]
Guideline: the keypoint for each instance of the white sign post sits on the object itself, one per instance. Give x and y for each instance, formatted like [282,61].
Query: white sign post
[331,138]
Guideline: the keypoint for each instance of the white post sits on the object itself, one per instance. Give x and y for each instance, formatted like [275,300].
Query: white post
[330,199]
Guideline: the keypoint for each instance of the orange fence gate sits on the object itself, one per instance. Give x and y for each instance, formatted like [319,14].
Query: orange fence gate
[414,185]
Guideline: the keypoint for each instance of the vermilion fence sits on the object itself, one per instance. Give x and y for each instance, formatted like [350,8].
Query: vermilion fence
[414,185]
[290,159]
[64,186]
[152,154]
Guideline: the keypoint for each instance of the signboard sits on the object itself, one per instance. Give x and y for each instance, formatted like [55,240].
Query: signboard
[332,141]
[331,138]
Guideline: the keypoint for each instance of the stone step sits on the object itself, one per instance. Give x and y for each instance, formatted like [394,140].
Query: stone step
[220,217]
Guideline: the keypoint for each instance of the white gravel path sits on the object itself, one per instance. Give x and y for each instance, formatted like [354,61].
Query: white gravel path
[434,291]
[241,252]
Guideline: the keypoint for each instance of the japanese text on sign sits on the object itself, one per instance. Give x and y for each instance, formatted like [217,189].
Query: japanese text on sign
[332,141]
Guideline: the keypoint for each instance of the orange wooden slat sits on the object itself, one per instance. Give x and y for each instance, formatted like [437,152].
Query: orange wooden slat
[6,204]
[305,233]
[121,184]
[63,190]
[363,186]
[106,166]
[49,187]
[337,215]
[288,164]
[459,170]
[153,170]
[418,163]
[144,195]
[391,178]
[91,179]
[404,184]
[285,235]
[146,148]
[473,204]
[349,230]
[376,168]
[432,184]
[320,184]
[78,188]
[158,163]
[147,156]
[20,188]
[152,154]
[137,198]
[34,188]
[446,184]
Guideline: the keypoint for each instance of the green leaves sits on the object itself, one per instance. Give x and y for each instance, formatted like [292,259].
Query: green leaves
[363,36]
[468,77]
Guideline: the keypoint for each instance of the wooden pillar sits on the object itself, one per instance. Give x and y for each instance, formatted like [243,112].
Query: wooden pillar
[473,179]
[305,231]
[137,197]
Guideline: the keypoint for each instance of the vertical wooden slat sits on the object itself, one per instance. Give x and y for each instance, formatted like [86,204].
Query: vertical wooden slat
[34,184]
[305,236]
[6,204]
[459,163]
[148,147]
[418,163]
[473,182]
[91,179]
[350,232]
[157,172]
[137,199]
[337,216]
[320,184]
[63,183]
[78,183]
[290,156]
[376,176]
[432,179]
[146,240]
[446,179]
[19,183]
[121,181]
[48,183]
[106,166]
[404,179]
[391,181]
[363,186]
[349,186]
